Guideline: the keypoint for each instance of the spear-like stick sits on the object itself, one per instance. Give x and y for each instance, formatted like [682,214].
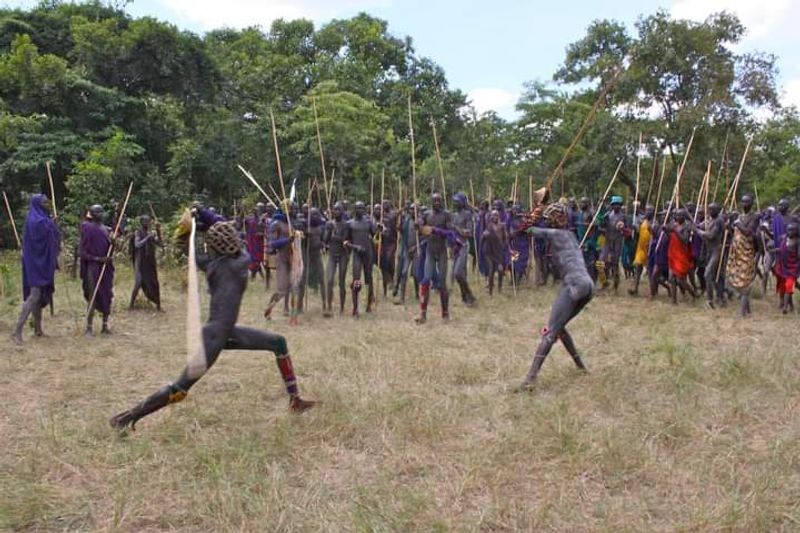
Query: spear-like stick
[308,247]
[371,196]
[413,170]
[397,220]
[278,164]
[586,122]
[638,176]
[661,182]
[114,235]
[530,192]
[652,180]
[52,188]
[278,196]
[734,189]
[703,188]
[11,218]
[676,192]
[254,182]
[721,163]
[516,189]
[439,161]
[329,192]
[605,195]
[474,228]
[675,200]
[380,235]
[321,155]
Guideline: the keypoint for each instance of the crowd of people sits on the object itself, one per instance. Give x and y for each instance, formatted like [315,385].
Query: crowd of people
[686,250]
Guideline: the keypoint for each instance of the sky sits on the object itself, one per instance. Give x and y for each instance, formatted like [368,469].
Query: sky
[489,49]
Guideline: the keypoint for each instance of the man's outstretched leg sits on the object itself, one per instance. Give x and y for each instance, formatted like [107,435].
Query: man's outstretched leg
[239,338]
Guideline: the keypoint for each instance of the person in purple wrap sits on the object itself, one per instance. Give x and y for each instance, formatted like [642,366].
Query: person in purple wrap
[95,251]
[255,240]
[41,241]
[657,259]
[520,245]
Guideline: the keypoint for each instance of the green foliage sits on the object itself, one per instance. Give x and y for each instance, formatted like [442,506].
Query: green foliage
[108,99]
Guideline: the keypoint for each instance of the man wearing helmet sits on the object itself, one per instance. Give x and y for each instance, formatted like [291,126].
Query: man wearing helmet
[226,269]
[576,289]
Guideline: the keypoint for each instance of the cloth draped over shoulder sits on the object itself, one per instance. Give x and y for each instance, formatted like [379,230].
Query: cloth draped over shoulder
[145,266]
[41,242]
[95,242]
[679,256]
[642,244]
[741,270]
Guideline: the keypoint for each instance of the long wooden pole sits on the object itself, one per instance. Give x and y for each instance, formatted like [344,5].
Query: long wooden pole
[321,155]
[638,176]
[52,189]
[586,122]
[675,200]
[280,168]
[721,164]
[380,235]
[254,182]
[114,235]
[734,189]
[11,218]
[413,170]
[372,196]
[661,182]
[439,161]
[652,181]
[605,195]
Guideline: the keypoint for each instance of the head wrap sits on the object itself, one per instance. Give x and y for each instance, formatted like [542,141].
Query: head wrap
[556,215]
[616,200]
[223,239]
[461,198]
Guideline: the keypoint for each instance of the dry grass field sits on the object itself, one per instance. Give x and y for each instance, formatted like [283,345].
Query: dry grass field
[688,421]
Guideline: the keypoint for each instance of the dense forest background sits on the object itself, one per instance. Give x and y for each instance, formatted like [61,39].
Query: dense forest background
[106,99]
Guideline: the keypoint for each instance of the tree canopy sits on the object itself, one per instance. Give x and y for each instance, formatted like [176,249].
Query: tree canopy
[107,98]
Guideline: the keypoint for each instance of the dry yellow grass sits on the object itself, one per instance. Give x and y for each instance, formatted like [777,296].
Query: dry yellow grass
[687,421]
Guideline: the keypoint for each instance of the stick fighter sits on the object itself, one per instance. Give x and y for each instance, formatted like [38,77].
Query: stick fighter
[576,289]
[226,269]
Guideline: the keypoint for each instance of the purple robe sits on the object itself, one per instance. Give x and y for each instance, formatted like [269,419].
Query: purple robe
[255,240]
[522,245]
[41,241]
[657,256]
[95,242]
[778,227]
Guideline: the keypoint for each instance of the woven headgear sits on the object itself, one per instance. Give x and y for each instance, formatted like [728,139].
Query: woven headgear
[556,215]
[223,238]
